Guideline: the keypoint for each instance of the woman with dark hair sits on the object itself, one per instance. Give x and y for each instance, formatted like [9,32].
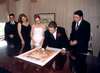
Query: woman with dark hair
[24,30]
[37,32]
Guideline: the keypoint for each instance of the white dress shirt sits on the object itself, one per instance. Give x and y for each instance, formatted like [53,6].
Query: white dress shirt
[12,22]
[78,24]
[55,34]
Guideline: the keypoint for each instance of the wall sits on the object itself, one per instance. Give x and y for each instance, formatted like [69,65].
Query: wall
[23,6]
[3,11]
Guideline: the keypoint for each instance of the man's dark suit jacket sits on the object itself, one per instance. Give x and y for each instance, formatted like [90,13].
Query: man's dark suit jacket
[82,35]
[60,42]
[11,29]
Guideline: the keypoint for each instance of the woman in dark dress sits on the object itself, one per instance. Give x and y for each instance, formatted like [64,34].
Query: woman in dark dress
[24,30]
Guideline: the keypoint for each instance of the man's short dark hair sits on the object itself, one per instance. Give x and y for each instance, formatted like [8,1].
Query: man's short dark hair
[79,13]
[11,14]
[52,24]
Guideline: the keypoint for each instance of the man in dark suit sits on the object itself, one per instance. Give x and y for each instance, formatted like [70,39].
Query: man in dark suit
[79,39]
[11,35]
[56,37]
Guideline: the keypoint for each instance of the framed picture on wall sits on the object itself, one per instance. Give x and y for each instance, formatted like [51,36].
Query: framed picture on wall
[47,17]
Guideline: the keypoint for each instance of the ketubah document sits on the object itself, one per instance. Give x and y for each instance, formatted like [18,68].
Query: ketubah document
[39,56]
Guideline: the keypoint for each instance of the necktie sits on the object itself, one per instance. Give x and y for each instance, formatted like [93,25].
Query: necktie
[76,26]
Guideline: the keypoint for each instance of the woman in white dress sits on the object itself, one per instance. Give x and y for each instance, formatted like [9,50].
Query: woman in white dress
[37,32]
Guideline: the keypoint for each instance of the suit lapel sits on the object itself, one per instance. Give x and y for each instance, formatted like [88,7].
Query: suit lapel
[58,34]
[51,35]
[78,26]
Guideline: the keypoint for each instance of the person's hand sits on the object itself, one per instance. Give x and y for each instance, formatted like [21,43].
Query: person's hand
[22,43]
[11,35]
[32,44]
[22,46]
[72,43]
[63,51]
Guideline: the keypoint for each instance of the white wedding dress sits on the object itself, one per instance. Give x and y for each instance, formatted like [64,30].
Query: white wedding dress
[38,36]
